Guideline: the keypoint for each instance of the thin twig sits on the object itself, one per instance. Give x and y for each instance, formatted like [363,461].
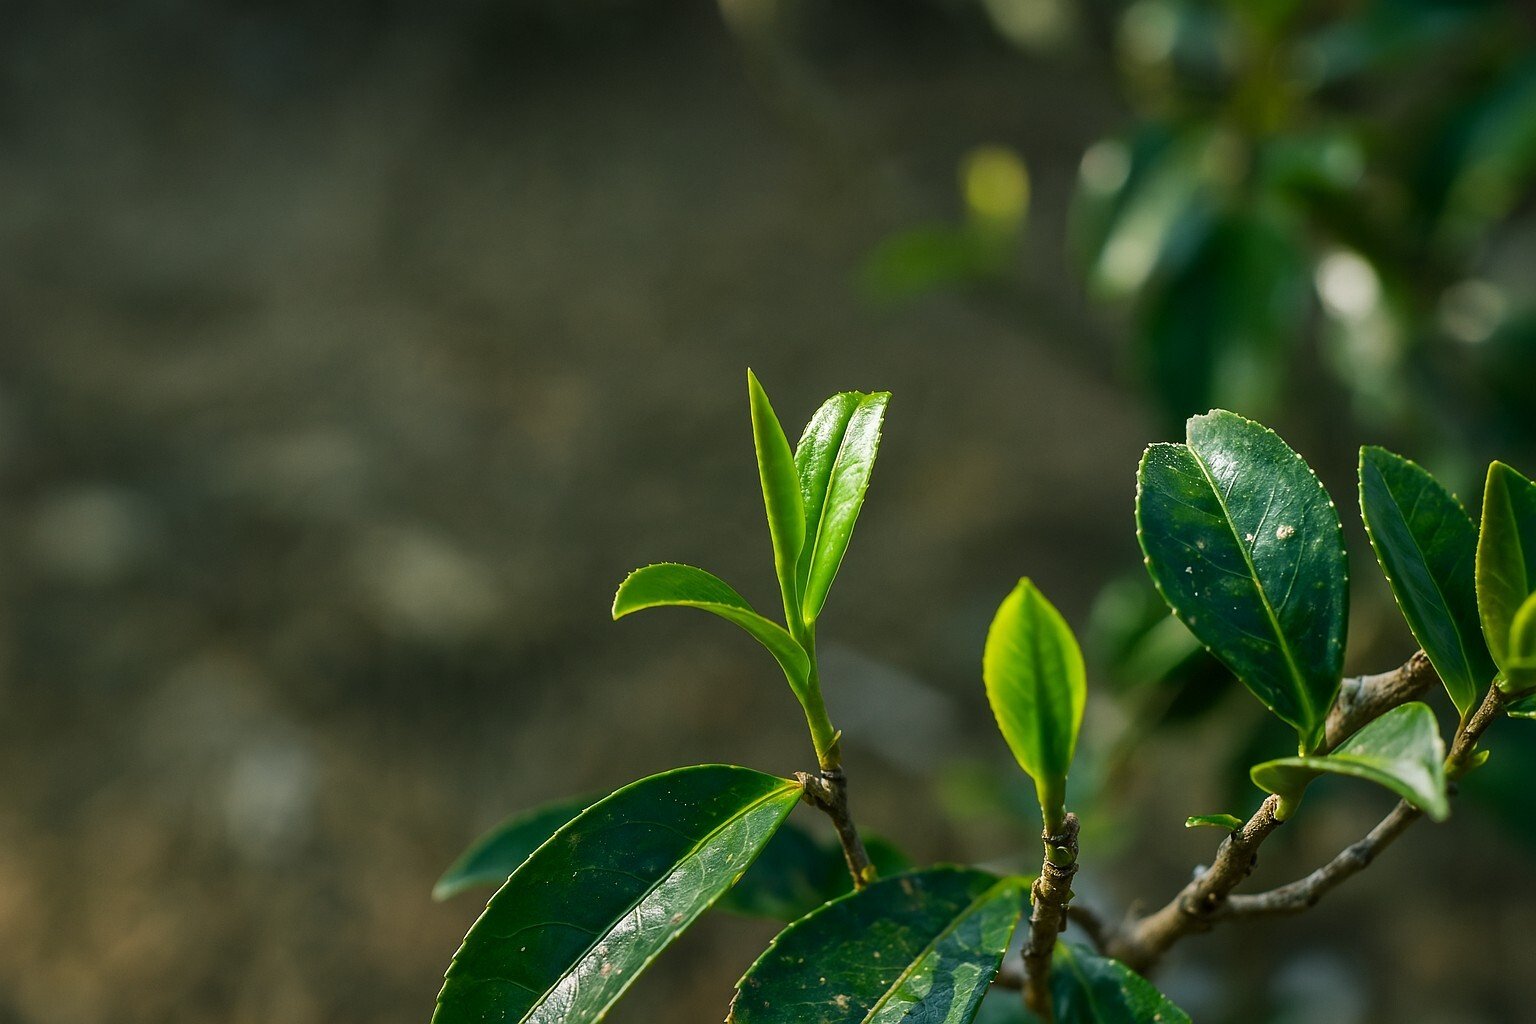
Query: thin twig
[1051,895]
[1364,698]
[1142,942]
[827,790]
[1091,923]
[1306,892]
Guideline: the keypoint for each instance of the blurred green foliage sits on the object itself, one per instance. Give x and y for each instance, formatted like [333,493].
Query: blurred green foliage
[1321,205]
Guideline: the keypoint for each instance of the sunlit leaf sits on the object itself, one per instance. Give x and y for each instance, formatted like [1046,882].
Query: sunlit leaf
[1036,684]
[781,491]
[1402,750]
[833,463]
[670,584]
[1245,546]
[1427,546]
[1090,989]
[920,948]
[1506,564]
[593,906]
[495,855]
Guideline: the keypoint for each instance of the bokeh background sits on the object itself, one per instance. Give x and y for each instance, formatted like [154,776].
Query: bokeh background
[350,354]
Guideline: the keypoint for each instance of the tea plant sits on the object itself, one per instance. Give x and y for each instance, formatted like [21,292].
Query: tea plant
[1245,546]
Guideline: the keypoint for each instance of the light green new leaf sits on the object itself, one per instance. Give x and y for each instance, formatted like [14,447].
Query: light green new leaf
[781,492]
[1427,546]
[1506,564]
[1226,822]
[833,462]
[592,907]
[495,855]
[920,948]
[1521,671]
[1036,684]
[1401,750]
[1090,989]
[671,584]
[1245,546]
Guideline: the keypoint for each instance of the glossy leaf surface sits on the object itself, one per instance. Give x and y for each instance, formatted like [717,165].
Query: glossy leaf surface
[833,462]
[1091,989]
[1036,684]
[671,584]
[1506,560]
[781,490]
[797,873]
[921,947]
[495,855]
[1402,750]
[1427,546]
[592,907]
[1245,546]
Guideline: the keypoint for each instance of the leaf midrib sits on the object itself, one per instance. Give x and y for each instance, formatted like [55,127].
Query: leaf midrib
[1445,604]
[932,944]
[651,889]
[1253,574]
[804,586]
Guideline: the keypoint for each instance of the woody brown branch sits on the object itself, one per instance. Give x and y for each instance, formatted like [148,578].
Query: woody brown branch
[827,791]
[1051,895]
[1204,900]
[1305,893]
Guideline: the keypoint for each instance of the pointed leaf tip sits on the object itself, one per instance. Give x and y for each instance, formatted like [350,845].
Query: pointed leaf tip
[833,463]
[1246,547]
[781,492]
[1506,569]
[1426,544]
[1035,680]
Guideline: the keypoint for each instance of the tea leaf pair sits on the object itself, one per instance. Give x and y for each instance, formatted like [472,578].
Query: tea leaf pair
[813,496]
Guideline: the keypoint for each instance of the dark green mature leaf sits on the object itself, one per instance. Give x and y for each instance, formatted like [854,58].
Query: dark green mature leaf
[781,491]
[1427,546]
[671,584]
[833,462]
[495,855]
[593,906]
[1522,707]
[1226,822]
[1506,561]
[921,947]
[1091,989]
[796,873]
[1401,750]
[1245,546]
[1036,684]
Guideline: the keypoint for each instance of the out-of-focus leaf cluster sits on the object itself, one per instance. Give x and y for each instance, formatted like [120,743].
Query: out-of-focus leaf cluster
[1335,185]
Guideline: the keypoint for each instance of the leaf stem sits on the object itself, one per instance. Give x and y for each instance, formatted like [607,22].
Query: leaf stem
[1051,895]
